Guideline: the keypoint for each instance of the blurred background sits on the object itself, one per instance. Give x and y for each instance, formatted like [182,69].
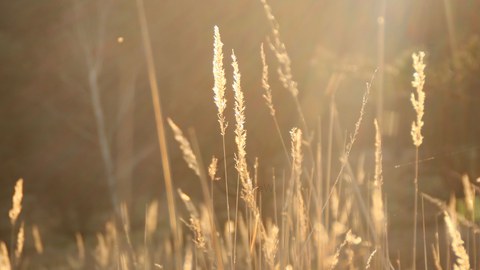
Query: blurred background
[76,109]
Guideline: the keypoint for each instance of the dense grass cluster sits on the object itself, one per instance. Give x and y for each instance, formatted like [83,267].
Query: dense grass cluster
[319,219]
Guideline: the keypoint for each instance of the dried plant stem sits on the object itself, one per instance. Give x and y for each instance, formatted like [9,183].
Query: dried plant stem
[228,203]
[204,184]
[236,220]
[424,236]
[160,131]
[415,210]
[474,236]
[221,104]
[418,103]
[349,146]
[377,196]
[277,128]
[269,100]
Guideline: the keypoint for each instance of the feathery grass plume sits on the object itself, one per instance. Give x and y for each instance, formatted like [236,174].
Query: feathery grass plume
[219,80]
[416,132]
[350,239]
[221,103]
[186,148]
[278,47]
[269,99]
[266,86]
[4,258]
[16,202]
[241,138]
[299,203]
[194,224]
[419,102]
[297,156]
[301,215]
[37,239]
[377,202]
[188,203]
[353,137]
[469,197]
[212,169]
[151,218]
[20,242]
[462,261]
[248,192]
[270,246]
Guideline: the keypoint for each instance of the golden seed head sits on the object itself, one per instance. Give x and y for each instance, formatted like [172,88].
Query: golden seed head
[219,80]
[418,102]
[16,201]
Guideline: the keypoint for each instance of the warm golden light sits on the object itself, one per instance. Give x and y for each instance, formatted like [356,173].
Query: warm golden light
[240,134]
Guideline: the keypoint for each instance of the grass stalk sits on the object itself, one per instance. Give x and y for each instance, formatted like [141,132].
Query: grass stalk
[415,212]
[424,237]
[236,221]
[152,78]
[221,104]
[208,197]
[226,196]
[418,103]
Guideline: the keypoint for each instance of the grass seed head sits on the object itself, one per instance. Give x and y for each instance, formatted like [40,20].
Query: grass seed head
[16,202]
[418,102]
[219,80]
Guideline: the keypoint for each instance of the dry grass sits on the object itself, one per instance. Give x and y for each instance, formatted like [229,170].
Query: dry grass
[341,222]
[4,257]
[462,261]
[16,202]
[378,211]
[418,103]
[185,147]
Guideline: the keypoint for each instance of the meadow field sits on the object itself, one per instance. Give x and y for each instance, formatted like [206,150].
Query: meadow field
[251,134]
